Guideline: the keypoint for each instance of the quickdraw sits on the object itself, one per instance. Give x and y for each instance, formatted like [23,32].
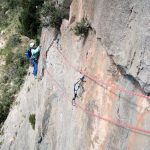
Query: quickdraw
[77,87]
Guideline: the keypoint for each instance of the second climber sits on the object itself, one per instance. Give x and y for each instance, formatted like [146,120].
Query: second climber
[32,55]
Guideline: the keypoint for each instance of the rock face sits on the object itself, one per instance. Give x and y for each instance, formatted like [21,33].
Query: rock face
[123,29]
[114,57]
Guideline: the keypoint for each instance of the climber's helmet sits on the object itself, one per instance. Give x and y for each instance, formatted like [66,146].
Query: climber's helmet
[32,45]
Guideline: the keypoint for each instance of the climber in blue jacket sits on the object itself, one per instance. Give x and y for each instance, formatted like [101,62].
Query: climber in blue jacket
[32,55]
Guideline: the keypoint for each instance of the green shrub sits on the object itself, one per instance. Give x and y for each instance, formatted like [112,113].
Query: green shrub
[82,28]
[1,143]
[47,9]
[55,14]
[13,41]
[56,19]
[12,4]
[12,79]
[3,17]
[32,120]
[5,79]
[66,4]
[30,17]
[29,22]
[5,104]
[9,58]
[2,132]
[16,65]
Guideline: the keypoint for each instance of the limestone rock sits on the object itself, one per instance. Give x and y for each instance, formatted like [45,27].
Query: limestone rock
[111,110]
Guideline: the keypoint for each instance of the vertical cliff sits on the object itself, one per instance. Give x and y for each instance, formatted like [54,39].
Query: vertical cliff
[112,106]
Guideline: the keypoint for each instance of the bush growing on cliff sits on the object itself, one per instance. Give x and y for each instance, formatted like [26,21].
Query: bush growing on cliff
[32,120]
[53,15]
[82,28]
[1,142]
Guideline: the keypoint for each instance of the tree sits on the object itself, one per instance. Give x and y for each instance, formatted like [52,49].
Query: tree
[30,18]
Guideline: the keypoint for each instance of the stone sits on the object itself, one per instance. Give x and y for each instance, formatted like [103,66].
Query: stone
[114,58]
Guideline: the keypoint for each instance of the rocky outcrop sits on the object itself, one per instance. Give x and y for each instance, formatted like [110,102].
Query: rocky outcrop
[123,29]
[112,48]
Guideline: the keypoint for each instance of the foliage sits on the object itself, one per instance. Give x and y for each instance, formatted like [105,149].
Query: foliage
[16,65]
[30,18]
[32,120]
[57,14]
[29,13]
[1,143]
[12,4]
[4,107]
[47,8]
[66,4]
[82,28]
[9,58]
[3,17]
[13,41]
[56,18]
[2,132]
[13,77]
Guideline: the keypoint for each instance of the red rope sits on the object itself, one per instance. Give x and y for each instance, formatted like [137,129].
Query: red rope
[100,82]
[117,123]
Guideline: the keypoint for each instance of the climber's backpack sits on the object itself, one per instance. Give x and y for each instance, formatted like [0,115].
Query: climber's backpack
[28,53]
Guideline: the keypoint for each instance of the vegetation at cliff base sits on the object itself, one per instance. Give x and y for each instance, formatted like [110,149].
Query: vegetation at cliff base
[14,70]
[20,21]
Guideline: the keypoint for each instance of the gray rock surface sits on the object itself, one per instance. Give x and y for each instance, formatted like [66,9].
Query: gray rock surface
[110,45]
[123,28]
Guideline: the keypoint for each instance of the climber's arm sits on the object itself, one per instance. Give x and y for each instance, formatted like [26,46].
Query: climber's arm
[34,51]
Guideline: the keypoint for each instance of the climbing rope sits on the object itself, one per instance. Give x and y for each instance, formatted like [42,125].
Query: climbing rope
[101,82]
[98,81]
[117,123]
[95,78]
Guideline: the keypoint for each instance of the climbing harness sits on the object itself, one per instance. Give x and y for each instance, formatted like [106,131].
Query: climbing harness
[77,87]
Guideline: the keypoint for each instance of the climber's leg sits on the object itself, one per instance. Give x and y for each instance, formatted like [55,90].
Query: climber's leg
[35,68]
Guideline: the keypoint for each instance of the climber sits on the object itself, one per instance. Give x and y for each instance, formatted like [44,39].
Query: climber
[32,54]
[77,87]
